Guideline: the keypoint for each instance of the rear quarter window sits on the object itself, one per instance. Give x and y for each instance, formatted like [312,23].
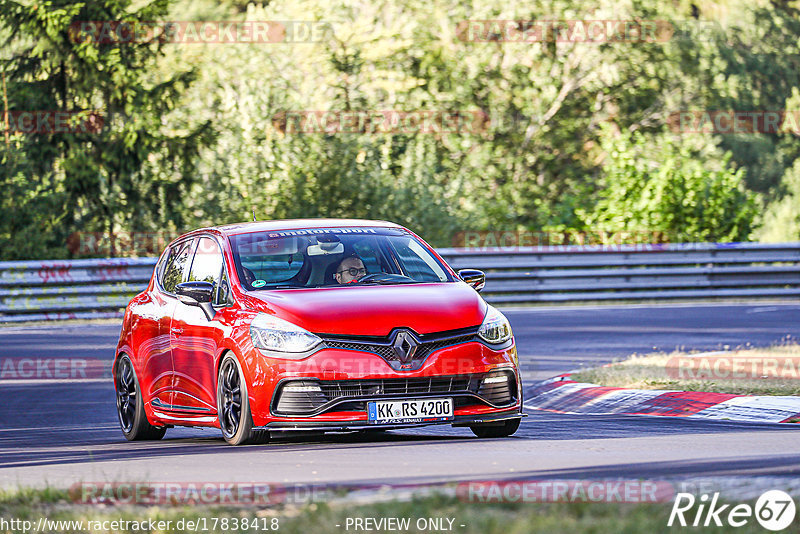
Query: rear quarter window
[176,266]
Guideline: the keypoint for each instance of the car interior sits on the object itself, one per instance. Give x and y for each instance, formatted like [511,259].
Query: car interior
[312,261]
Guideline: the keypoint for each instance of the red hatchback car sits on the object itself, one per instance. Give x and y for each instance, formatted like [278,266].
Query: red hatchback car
[320,325]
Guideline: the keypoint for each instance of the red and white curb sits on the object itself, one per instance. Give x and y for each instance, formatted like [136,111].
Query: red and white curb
[561,394]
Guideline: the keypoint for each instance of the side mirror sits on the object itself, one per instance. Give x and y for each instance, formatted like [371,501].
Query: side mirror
[473,277]
[197,294]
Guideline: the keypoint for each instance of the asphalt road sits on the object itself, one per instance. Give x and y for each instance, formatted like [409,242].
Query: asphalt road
[61,432]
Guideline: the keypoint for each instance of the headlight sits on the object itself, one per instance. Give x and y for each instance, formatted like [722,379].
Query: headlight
[495,328]
[280,338]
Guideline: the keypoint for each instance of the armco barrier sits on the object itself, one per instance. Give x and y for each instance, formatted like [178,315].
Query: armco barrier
[70,289]
[635,272]
[101,288]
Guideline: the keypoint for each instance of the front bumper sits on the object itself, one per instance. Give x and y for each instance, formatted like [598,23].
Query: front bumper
[354,426]
[345,367]
[318,397]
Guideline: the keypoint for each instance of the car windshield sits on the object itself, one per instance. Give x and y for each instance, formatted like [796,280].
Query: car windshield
[320,257]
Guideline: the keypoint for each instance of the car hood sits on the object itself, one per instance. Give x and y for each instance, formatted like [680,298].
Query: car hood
[375,310]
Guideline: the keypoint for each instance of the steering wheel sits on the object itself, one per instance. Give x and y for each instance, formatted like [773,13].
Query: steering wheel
[382,276]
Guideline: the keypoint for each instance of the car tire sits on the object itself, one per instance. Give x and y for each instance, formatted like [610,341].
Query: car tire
[130,404]
[496,430]
[233,405]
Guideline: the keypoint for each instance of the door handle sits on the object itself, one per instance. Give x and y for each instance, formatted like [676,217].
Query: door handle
[177,331]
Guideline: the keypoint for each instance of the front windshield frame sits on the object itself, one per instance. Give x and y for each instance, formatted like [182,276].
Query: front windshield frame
[392,266]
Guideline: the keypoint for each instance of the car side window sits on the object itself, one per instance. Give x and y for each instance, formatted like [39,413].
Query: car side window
[223,291]
[414,259]
[177,263]
[207,264]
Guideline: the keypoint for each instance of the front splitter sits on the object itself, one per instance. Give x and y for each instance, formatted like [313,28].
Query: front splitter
[355,426]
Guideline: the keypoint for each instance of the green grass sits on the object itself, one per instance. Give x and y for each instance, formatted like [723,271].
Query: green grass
[31,497]
[477,518]
[663,371]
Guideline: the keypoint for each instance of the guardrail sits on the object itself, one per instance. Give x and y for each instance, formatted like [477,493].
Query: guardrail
[70,289]
[82,289]
[635,272]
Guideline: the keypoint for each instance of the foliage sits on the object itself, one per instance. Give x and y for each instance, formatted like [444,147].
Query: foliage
[485,511]
[781,220]
[661,185]
[575,134]
[63,182]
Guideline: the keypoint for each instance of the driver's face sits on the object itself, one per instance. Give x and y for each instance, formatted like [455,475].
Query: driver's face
[343,274]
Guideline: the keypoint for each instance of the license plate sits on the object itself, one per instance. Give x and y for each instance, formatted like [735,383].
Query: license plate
[409,411]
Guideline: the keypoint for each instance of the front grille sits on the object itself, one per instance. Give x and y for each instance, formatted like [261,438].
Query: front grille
[334,389]
[383,346]
[347,394]
[384,351]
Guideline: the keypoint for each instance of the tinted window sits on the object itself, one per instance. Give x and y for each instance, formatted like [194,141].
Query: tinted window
[177,264]
[223,291]
[267,259]
[274,268]
[416,261]
[207,264]
[312,257]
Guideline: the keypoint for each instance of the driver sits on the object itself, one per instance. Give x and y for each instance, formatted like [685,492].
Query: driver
[351,269]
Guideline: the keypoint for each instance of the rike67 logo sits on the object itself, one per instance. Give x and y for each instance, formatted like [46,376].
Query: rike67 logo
[774,510]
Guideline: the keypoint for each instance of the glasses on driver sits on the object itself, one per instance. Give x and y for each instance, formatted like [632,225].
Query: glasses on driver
[353,271]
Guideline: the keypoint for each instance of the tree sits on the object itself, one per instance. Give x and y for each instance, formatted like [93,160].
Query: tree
[780,221]
[666,184]
[131,173]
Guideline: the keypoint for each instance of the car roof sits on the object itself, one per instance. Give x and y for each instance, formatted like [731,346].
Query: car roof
[298,224]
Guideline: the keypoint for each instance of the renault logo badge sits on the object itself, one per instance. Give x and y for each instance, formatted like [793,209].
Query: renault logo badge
[404,346]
